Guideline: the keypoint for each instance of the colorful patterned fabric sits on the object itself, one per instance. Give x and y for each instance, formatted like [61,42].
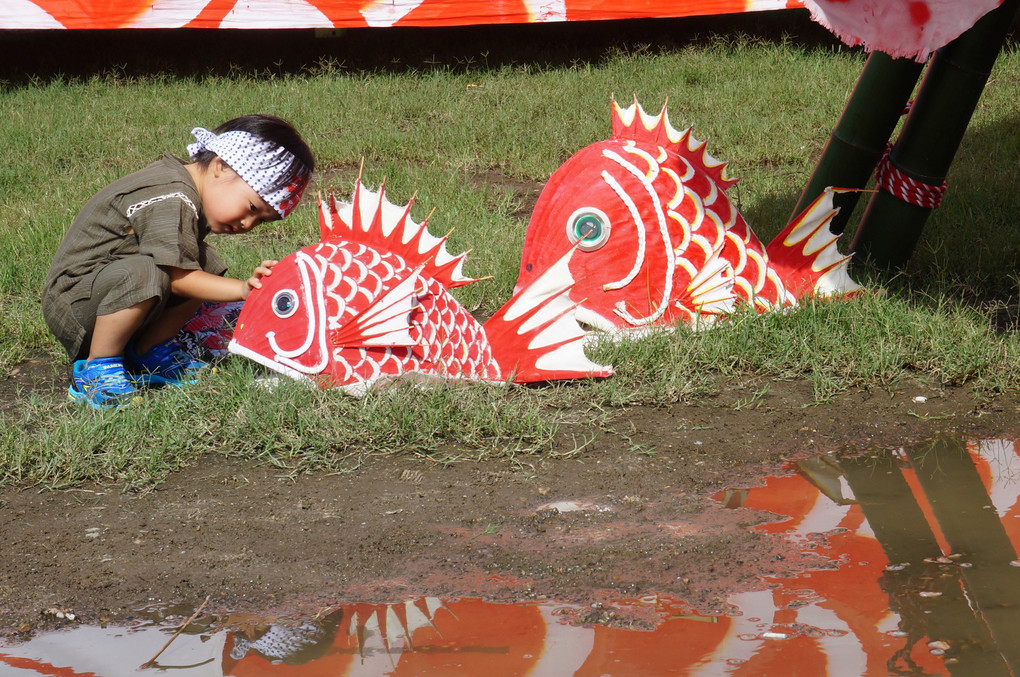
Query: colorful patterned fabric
[207,333]
[91,14]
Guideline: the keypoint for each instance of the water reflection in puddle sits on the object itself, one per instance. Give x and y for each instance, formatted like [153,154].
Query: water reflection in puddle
[920,577]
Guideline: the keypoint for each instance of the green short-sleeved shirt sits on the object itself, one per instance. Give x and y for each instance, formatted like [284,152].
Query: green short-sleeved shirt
[155,212]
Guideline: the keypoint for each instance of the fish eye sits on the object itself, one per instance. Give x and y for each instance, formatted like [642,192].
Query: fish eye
[285,303]
[588,228]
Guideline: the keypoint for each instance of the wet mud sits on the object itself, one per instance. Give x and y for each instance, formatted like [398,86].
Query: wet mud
[640,510]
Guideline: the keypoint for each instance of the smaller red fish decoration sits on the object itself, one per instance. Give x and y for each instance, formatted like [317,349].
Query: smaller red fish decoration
[370,302]
[660,242]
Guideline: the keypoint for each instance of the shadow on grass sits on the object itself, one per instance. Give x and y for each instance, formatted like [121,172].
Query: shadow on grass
[970,245]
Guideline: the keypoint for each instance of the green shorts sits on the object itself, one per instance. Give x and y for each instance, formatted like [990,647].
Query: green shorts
[118,285]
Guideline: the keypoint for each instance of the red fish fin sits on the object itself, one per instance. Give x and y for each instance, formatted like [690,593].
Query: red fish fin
[387,321]
[536,337]
[635,124]
[370,219]
[805,256]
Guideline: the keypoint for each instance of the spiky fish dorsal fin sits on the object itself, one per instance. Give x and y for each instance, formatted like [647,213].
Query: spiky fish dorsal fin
[535,335]
[805,256]
[634,124]
[372,220]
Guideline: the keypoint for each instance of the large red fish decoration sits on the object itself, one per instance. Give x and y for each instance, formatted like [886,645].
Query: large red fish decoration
[370,302]
[659,241]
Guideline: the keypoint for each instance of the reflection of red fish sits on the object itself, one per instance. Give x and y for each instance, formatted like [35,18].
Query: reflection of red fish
[470,637]
[660,241]
[421,637]
[370,302]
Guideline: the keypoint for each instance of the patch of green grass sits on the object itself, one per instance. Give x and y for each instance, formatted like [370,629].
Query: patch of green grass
[868,341]
[431,131]
[285,424]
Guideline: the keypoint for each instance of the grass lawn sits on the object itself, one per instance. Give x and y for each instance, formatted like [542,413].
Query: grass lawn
[473,130]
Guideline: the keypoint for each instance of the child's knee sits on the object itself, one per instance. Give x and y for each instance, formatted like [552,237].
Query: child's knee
[128,282]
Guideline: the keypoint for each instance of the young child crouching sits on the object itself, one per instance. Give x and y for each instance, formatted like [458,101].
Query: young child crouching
[134,266]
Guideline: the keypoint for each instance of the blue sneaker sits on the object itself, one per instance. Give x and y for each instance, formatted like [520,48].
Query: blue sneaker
[101,383]
[164,364]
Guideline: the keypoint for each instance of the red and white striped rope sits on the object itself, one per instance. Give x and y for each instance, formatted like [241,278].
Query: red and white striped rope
[918,193]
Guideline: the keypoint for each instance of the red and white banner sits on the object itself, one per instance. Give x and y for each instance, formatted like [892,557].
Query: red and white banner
[103,14]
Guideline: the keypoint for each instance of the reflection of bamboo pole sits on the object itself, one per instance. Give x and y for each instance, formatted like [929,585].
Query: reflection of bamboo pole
[859,138]
[890,508]
[972,527]
[949,92]
[903,531]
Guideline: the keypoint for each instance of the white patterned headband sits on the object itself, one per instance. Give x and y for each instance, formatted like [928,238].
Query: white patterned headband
[262,164]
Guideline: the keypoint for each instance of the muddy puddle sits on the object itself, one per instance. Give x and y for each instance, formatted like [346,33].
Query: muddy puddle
[919,575]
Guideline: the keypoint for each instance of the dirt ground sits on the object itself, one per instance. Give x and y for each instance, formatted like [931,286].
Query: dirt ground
[403,525]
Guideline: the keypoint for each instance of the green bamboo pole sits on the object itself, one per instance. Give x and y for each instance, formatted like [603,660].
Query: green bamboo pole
[859,138]
[949,92]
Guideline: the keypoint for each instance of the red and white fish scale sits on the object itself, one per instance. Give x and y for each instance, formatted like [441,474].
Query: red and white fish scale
[704,209]
[708,228]
[446,339]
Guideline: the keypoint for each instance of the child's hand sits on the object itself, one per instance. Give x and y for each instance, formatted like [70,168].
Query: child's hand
[255,281]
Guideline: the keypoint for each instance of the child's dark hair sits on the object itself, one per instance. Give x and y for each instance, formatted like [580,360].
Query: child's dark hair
[275,130]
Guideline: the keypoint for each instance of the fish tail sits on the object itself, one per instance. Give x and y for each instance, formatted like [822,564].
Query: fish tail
[535,335]
[805,256]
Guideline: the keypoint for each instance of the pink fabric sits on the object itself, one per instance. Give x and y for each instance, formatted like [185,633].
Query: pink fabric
[900,28]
